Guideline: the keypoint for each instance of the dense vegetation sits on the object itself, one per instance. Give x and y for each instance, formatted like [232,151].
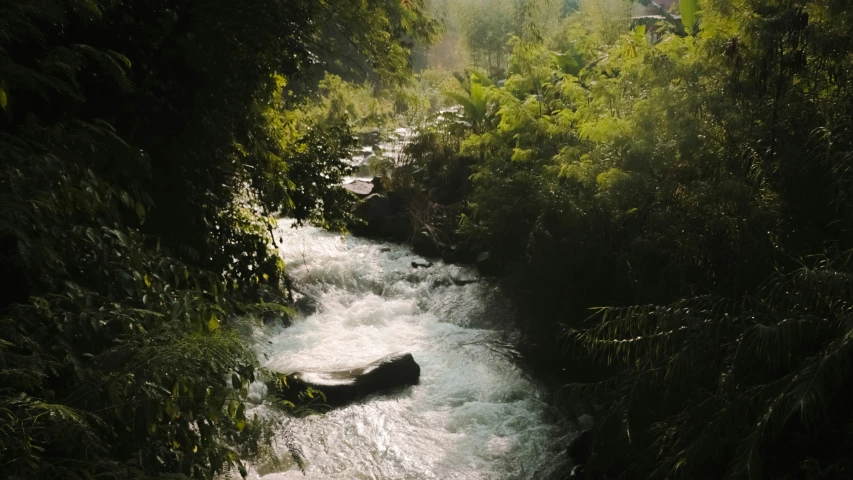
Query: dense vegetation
[698,168]
[144,146]
[690,169]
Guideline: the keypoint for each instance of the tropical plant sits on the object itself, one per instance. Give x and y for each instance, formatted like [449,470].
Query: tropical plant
[474,105]
[689,10]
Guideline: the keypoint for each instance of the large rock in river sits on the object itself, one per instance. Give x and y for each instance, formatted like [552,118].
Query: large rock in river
[374,208]
[424,243]
[360,187]
[345,386]
[384,217]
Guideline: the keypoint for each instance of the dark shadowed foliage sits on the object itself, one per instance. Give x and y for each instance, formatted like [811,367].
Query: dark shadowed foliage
[144,150]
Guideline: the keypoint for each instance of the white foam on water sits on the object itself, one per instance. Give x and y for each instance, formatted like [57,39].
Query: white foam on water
[474,414]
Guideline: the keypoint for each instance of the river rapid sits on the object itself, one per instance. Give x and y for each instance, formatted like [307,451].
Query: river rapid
[476,413]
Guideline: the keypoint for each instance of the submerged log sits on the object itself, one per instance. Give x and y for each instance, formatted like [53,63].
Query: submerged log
[345,386]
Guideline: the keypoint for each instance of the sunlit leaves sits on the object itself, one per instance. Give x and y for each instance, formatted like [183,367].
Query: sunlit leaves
[689,10]
[213,323]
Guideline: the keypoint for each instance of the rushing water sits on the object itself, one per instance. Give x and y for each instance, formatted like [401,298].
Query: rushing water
[475,413]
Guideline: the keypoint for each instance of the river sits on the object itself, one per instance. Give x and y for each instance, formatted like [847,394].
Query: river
[476,413]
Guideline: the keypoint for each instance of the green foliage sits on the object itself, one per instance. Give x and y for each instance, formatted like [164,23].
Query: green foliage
[144,149]
[643,167]
[475,103]
[117,367]
[689,10]
[711,388]
[570,62]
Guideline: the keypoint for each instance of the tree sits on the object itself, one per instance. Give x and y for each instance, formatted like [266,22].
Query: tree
[144,147]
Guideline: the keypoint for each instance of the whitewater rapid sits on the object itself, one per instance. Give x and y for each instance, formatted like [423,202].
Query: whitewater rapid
[475,414]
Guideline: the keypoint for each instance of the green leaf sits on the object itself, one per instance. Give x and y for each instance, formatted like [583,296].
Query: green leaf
[235,381]
[567,63]
[140,212]
[213,324]
[470,109]
[478,98]
[240,417]
[481,78]
[3,99]
[688,9]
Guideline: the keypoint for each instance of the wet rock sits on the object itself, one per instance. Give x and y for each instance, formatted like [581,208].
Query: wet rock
[438,281]
[423,243]
[581,447]
[396,226]
[464,277]
[586,421]
[305,304]
[457,254]
[383,216]
[374,209]
[486,264]
[345,386]
[360,187]
[421,263]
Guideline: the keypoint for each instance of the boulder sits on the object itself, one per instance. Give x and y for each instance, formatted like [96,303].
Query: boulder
[345,386]
[360,187]
[382,217]
[464,277]
[423,243]
[586,421]
[396,226]
[458,254]
[373,209]
[421,263]
[486,264]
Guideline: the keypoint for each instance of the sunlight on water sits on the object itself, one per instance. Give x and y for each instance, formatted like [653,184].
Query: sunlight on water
[475,414]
